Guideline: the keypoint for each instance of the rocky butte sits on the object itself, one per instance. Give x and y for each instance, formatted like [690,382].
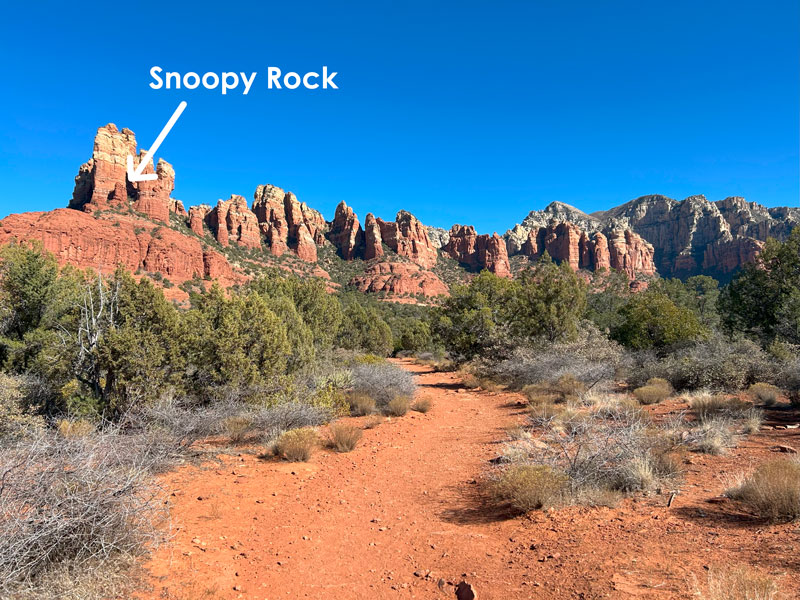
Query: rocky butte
[111,221]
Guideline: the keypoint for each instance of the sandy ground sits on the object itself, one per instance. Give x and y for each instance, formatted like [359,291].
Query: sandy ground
[402,516]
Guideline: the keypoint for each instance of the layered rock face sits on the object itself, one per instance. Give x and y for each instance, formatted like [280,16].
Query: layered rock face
[102,182]
[231,221]
[478,251]
[288,224]
[399,279]
[346,233]
[694,235]
[566,242]
[79,239]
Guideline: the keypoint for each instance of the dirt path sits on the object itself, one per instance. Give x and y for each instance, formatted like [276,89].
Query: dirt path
[403,510]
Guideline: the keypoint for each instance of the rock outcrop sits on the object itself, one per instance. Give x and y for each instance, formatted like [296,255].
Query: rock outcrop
[345,232]
[288,224]
[102,182]
[478,251]
[399,279]
[408,237]
[567,242]
[232,221]
[80,239]
[694,235]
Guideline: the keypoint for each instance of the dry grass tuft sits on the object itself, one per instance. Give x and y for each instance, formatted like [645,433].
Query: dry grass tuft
[772,491]
[373,421]
[529,487]
[296,445]
[469,380]
[237,428]
[764,393]
[361,404]
[399,406]
[423,405]
[654,392]
[739,583]
[713,406]
[343,437]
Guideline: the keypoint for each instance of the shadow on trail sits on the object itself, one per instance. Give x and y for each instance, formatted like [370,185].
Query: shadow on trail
[476,507]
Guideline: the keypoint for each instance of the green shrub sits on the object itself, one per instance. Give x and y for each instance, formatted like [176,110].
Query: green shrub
[651,320]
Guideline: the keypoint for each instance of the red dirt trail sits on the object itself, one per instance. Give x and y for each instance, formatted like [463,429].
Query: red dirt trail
[404,511]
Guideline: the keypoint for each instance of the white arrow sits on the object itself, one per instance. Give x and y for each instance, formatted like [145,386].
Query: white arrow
[137,175]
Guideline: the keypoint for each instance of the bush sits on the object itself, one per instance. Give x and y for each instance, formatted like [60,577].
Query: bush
[77,504]
[652,394]
[529,487]
[469,380]
[772,491]
[398,406]
[651,320]
[718,364]
[765,393]
[591,359]
[565,389]
[361,404]
[343,438]
[712,406]
[237,428]
[383,382]
[296,445]
[423,405]
[714,435]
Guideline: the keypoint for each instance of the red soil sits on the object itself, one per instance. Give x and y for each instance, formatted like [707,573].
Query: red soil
[404,510]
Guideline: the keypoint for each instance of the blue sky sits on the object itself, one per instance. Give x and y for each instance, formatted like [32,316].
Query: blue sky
[468,112]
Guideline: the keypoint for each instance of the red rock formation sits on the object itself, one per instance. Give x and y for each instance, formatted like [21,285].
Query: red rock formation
[82,240]
[153,197]
[306,248]
[478,251]
[566,242]
[232,221]
[399,278]
[176,206]
[373,248]
[346,233]
[197,216]
[287,223]
[408,237]
[102,182]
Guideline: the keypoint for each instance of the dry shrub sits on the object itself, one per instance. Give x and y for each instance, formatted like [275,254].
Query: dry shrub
[772,491]
[237,428]
[544,412]
[382,382]
[398,406]
[740,583]
[75,429]
[651,394]
[469,380]
[74,507]
[489,385]
[373,421]
[423,405]
[712,406]
[361,404]
[752,420]
[343,437]
[764,393]
[529,487]
[565,389]
[516,432]
[713,435]
[296,445]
